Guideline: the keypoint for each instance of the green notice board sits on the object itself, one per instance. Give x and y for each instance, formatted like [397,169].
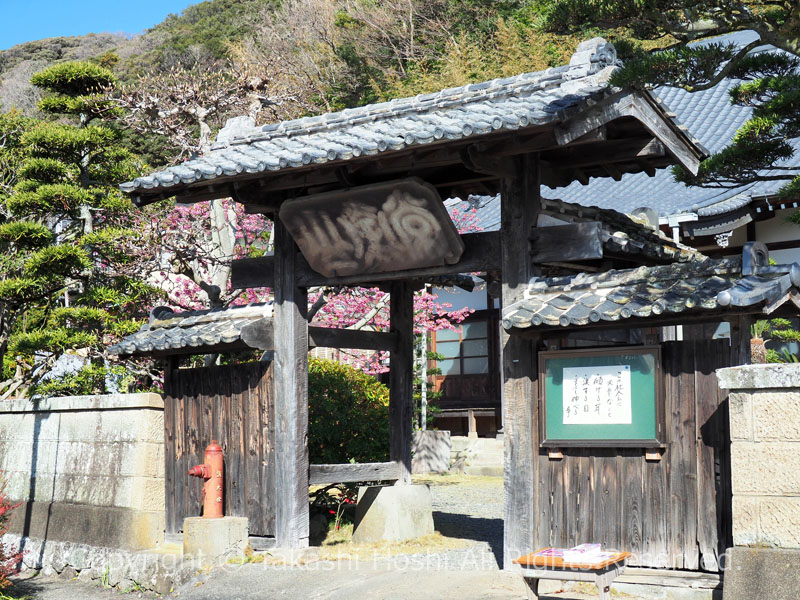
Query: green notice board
[602,397]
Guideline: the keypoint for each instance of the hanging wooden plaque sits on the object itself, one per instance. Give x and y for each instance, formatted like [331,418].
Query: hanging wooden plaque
[379,228]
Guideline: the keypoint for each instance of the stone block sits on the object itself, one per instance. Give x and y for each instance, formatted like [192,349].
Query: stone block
[78,556]
[779,522]
[213,539]
[765,468]
[741,416]
[430,452]
[96,458]
[745,520]
[147,493]
[149,459]
[83,427]
[776,415]
[397,512]
[761,573]
[89,525]
[118,568]
[756,377]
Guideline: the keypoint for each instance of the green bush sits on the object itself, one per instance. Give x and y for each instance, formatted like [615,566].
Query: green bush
[348,415]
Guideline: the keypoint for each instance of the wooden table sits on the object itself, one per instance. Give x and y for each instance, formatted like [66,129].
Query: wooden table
[601,573]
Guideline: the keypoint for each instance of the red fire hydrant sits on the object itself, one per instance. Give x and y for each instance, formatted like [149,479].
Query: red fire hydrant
[213,489]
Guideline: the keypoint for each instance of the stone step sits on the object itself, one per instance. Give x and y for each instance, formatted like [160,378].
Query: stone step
[477,456]
[484,470]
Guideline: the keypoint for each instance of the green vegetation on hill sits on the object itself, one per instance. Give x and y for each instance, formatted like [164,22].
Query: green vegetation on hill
[212,25]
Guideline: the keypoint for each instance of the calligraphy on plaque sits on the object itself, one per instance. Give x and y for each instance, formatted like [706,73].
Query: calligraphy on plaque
[597,395]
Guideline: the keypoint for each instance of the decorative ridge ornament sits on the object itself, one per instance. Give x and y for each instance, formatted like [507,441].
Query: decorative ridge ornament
[592,56]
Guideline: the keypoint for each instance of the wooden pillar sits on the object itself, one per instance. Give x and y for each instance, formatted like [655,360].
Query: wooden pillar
[472,425]
[740,339]
[401,377]
[520,204]
[291,398]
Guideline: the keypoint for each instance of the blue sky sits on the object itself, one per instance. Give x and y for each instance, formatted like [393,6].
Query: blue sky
[26,20]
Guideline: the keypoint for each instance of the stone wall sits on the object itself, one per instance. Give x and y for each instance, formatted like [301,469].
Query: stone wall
[88,469]
[765,453]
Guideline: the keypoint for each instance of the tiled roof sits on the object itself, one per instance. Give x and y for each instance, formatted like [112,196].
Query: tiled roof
[711,117]
[512,103]
[694,286]
[169,332]
[621,233]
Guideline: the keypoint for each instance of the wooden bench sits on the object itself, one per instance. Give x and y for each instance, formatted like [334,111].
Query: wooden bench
[535,568]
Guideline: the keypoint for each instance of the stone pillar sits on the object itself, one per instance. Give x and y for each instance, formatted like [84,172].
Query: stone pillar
[764,404]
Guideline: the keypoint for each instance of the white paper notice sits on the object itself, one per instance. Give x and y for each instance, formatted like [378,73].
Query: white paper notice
[597,395]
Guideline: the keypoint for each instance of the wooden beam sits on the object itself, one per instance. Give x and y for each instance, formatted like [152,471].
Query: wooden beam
[613,171]
[646,167]
[481,254]
[253,272]
[611,151]
[642,107]
[645,109]
[353,472]
[564,243]
[401,377]
[520,206]
[260,334]
[325,337]
[291,398]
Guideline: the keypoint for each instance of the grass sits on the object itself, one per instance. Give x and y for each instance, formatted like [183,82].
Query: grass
[250,556]
[339,545]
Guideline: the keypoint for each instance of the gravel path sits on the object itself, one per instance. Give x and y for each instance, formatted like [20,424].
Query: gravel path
[470,508]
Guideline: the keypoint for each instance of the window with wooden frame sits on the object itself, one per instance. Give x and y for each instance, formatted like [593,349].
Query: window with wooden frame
[464,350]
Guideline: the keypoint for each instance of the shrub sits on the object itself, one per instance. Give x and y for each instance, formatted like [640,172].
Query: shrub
[348,415]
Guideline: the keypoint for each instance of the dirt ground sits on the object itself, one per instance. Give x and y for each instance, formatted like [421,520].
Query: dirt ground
[462,562]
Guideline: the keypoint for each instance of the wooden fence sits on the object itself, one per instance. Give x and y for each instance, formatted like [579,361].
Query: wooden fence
[234,405]
[672,513]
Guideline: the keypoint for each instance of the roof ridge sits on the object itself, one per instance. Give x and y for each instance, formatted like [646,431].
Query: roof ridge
[590,57]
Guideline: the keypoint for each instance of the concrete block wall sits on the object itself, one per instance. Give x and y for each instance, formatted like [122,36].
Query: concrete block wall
[97,459]
[764,406]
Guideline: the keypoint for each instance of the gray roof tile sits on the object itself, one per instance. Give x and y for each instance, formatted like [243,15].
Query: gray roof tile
[711,117]
[454,113]
[695,285]
[169,331]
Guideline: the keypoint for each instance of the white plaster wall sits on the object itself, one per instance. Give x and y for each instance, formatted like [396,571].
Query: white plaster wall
[778,229]
[95,450]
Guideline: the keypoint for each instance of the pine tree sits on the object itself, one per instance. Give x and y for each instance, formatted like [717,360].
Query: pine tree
[762,148]
[68,282]
[771,81]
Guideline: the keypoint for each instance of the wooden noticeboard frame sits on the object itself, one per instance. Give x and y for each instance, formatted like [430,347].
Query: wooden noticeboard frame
[646,429]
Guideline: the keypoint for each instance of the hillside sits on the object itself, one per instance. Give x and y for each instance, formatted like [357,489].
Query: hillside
[205,28]
[281,59]
[18,63]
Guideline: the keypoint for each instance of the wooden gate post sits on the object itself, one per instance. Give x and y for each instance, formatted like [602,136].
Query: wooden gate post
[520,204]
[401,377]
[291,398]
